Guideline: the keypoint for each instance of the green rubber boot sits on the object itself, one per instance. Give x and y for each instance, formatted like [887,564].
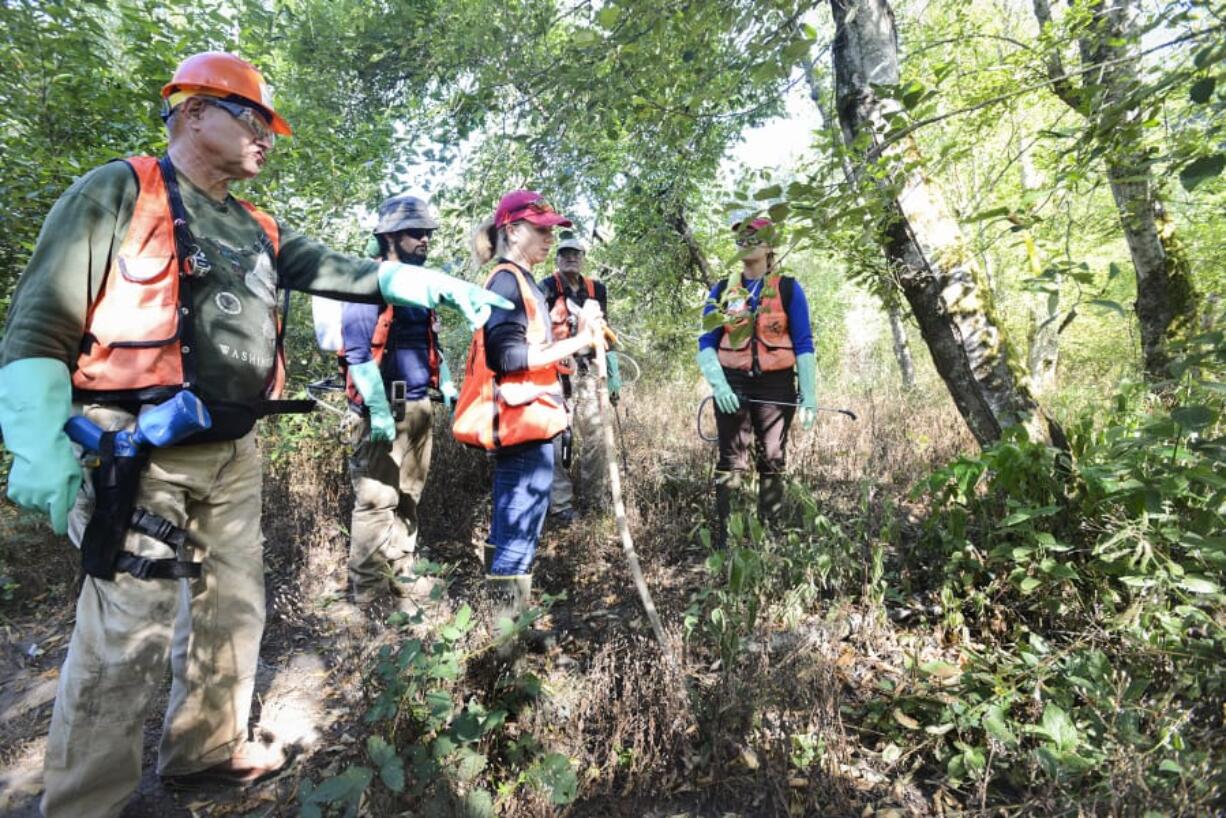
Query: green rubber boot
[509,598]
[726,485]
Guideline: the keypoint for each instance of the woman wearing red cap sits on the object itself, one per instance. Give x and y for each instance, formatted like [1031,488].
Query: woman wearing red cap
[512,401]
[751,360]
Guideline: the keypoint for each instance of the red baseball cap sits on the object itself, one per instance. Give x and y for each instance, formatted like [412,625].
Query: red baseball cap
[529,206]
[754,224]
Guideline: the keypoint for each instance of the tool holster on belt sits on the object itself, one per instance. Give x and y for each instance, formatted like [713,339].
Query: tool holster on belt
[566,439]
[116,480]
[399,400]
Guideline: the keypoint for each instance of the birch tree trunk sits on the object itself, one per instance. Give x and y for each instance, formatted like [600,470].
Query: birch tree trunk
[1044,316]
[898,331]
[923,241]
[1166,303]
[902,348]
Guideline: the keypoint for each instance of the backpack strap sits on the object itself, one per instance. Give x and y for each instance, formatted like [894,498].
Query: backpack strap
[787,286]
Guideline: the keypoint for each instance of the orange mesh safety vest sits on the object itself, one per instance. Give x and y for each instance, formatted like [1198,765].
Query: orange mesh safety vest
[768,346]
[378,347]
[559,314]
[495,410]
[132,346]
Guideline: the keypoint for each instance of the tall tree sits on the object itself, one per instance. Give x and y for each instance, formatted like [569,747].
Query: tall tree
[898,330]
[1107,38]
[924,243]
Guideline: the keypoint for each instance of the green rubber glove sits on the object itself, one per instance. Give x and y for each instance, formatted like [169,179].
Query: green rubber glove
[615,376]
[725,399]
[369,381]
[806,365]
[35,403]
[413,286]
[446,385]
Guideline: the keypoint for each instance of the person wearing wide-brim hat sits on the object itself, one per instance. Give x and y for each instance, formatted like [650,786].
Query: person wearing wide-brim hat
[511,401]
[385,346]
[752,361]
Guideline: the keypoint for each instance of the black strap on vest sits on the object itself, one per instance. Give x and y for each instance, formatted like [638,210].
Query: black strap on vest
[185,246]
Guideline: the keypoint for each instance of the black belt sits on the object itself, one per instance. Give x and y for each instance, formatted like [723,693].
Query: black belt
[284,407]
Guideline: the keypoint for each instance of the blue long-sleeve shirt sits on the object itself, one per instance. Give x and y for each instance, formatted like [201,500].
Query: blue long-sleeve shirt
[798,315]
[407,357]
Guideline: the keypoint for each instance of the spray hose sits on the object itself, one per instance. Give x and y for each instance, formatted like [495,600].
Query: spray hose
[711,398]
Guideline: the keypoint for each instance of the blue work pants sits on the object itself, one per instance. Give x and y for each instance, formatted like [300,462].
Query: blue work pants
[523,475]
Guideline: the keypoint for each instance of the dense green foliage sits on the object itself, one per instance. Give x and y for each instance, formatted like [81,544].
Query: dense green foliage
[1088,595]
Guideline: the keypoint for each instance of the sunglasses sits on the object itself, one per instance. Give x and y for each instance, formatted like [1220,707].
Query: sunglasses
[418,233]
[537,207]
[749,241]
[253,119]
[540,206]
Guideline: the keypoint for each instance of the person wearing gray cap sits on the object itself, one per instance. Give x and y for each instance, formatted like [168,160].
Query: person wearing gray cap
[392,356]
[565,290]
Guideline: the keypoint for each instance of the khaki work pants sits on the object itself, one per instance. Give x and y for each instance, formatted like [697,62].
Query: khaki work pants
[587,445]
[388,479]
[126,629]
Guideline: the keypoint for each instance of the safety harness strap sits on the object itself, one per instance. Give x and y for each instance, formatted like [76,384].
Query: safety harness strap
[162,530]
[145,568]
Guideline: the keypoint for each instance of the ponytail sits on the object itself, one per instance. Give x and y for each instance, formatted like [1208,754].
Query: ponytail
[484,243]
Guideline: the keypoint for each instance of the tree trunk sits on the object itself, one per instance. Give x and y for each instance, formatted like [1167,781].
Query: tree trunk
[696,257]
[902,347]
[1166,303]
[924,243]
[1043,329]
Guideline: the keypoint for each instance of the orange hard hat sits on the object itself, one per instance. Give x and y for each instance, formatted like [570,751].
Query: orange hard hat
[217,73]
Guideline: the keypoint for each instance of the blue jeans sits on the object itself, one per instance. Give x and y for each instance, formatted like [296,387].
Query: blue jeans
[522,478]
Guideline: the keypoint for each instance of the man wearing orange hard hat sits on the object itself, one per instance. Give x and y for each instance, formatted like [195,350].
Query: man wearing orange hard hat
[151,284]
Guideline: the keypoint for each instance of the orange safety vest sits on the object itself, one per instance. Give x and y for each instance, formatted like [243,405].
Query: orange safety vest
[378,346]
[132,345]
[768,346]
[559,314]
[495,411]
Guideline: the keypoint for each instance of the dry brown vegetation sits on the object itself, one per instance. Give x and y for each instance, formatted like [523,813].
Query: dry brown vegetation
[760,730]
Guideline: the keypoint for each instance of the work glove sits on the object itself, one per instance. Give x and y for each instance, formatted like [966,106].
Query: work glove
[725,399]
[35,403]
[369,381]
[806,365]
[615,376]
[413,286]
[446,385]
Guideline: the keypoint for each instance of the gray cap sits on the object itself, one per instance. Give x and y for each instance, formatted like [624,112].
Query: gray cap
[571,241]
[402,212]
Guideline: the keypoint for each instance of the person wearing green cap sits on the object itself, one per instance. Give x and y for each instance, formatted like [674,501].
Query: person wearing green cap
[566,291]
[150,279]
[752,360]
[385,346]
